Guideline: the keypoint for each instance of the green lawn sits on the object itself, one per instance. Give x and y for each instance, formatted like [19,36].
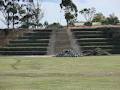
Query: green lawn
[37,73]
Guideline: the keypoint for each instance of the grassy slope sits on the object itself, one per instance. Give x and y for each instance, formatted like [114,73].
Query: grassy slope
[84,73]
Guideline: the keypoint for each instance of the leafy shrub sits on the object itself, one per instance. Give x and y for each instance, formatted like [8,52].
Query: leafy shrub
[112,20]
[88,23]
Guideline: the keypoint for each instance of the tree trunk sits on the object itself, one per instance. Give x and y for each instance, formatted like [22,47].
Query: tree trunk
[13,16]
[8,21]
[67,23]
[13,21]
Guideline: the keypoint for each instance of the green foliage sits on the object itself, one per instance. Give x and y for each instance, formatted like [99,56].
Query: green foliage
[69,3]
[23,15]
[88,13]
[24,25]
[98,17]
[70,11]
[88,23]
[9,9]
[38,15]
[69,18]
[54,25]
[30,17]
[5,10]
[46,24]
[112,20]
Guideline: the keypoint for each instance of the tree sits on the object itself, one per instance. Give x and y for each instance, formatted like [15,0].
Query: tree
[14,11]
[26,15]
[88,14]
[23,15]
[38,15]
[5,11]
[54,25]
[70,11]
[112,20]
[9,10]
[31,15]
[69,18]
[46,24]
[98,17]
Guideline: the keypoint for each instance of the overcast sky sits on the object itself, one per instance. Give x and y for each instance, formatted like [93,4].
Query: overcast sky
[53,12]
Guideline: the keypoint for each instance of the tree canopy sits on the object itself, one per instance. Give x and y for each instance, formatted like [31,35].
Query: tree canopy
[70,11]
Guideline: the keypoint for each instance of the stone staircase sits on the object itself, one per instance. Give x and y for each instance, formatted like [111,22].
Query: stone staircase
[89,39]
[62,41]
[51,42]
[31,43]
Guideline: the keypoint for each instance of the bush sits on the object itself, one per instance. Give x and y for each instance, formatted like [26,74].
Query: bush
[88,23]
[112,20]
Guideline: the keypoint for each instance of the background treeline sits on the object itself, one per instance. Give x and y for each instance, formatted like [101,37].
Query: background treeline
[90,15]
[18,15]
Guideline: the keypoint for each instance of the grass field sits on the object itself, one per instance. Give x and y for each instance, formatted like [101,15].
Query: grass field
[50,73]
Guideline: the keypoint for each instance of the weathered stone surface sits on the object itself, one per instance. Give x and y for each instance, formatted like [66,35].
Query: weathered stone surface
[72,53]
[68,53]
[95,52]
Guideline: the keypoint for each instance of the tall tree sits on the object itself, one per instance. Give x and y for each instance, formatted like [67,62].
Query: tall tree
[14,11]
[9,10]
[31,14]
[46,24]
[88,13]
[98,17]
[5,11]
[70,11]
[26,13]
[37,15]
[112,20]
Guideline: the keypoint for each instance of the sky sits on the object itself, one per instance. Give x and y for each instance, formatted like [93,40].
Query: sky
[53,12]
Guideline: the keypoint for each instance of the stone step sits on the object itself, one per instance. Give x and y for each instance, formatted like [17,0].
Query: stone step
[96,38]
[35,37]
[62,41]
[90,36]
[93,39]
[37,34]
[30,41]
[42,30]
[90,29]
[23,49]
[88,32]
[94,43]
[36,42]
[28,45]
[101,46]
[23,52]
